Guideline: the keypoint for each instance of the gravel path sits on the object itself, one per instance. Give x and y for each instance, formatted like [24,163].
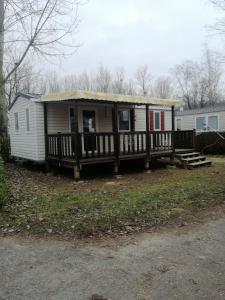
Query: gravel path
[174,265]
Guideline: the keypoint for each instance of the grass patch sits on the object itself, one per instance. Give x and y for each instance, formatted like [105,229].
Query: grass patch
[108,209]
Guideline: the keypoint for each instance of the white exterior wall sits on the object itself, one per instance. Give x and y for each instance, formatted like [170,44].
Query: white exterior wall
[140,117]
[188,122]
[59,119]
[27,144]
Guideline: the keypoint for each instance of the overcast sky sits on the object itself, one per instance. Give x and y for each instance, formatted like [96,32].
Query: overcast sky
[130,33]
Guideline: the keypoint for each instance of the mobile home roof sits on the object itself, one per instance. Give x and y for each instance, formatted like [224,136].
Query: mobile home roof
[107,97]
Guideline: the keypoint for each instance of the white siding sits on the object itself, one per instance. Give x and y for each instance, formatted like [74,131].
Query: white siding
[140,117]
[27,144]
[58,117]
[188,122]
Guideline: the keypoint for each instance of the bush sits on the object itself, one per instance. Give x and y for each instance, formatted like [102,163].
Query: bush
[4,148]
[3,185]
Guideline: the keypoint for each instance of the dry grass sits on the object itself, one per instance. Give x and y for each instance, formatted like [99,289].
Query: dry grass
[43,204]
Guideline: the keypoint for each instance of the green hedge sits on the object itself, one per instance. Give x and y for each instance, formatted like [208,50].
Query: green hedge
[3,185]
[211,143]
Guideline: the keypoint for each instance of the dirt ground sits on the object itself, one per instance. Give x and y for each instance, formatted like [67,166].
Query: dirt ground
[177,264]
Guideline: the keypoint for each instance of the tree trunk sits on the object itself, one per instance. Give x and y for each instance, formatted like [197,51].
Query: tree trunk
[3,105]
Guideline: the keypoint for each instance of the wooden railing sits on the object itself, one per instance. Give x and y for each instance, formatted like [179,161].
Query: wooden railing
[132,142]
[184,139]
[161,141]
[61,145]
[102,144]
[97,144]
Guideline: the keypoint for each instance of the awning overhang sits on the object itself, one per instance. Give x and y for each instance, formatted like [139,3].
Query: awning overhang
[107,97]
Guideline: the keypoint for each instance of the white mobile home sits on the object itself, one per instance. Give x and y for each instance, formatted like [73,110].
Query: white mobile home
[202,119]
[77,128]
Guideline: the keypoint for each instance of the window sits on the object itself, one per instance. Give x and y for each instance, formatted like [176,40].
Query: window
[124,120]
[16,118]
[157,120]
[178,124]
[207,123]
[213,122]
[200,123]
[28,119]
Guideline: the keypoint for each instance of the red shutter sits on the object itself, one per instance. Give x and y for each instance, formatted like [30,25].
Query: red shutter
[151,123]
[162,120]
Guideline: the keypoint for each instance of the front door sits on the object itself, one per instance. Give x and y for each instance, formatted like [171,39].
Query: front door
[89,126]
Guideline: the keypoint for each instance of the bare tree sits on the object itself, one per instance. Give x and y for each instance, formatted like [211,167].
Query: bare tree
[219,26]
[212,72]
[119,81]
[143,78]
[163,88]
[37,26]
[130,88]
[187,77]
[24,79]
[53,82]
[85,82]
[69,82]
[200,84]
[103,79]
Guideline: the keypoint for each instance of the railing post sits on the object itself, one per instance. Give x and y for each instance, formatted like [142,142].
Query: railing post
[147,137]
[116,138]
[59,146]
[173,132]
[194,139]
[77,143]
[46,130]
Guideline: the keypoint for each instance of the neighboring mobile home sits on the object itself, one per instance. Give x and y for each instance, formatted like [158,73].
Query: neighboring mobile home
[202,119]
[77,128]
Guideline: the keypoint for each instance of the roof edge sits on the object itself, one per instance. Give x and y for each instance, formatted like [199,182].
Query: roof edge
[108,97]
[24,95]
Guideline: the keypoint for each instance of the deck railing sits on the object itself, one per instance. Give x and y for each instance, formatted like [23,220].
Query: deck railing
[184,139]
[96,144]
[161,141]
[102,144]
[132,142]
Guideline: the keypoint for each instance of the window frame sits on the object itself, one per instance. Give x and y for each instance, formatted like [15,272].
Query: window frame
[157,129]
[212,129]
[124,130]
[16,121]
[179,119]
[27,117]
[207,116]
[206,121]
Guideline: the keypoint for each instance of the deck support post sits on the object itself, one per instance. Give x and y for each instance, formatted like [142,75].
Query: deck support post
[173,133]
[76,172]
[116,168]
[147,160]
[116,138]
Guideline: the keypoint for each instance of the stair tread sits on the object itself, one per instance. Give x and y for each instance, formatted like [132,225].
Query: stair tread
[204,162]
[187,154]
[193,158]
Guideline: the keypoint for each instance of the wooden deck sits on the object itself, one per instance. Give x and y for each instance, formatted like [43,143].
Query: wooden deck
[72,149]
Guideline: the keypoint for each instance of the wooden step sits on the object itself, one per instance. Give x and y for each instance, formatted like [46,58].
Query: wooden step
[183,155]
[192,159]
[199,164]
